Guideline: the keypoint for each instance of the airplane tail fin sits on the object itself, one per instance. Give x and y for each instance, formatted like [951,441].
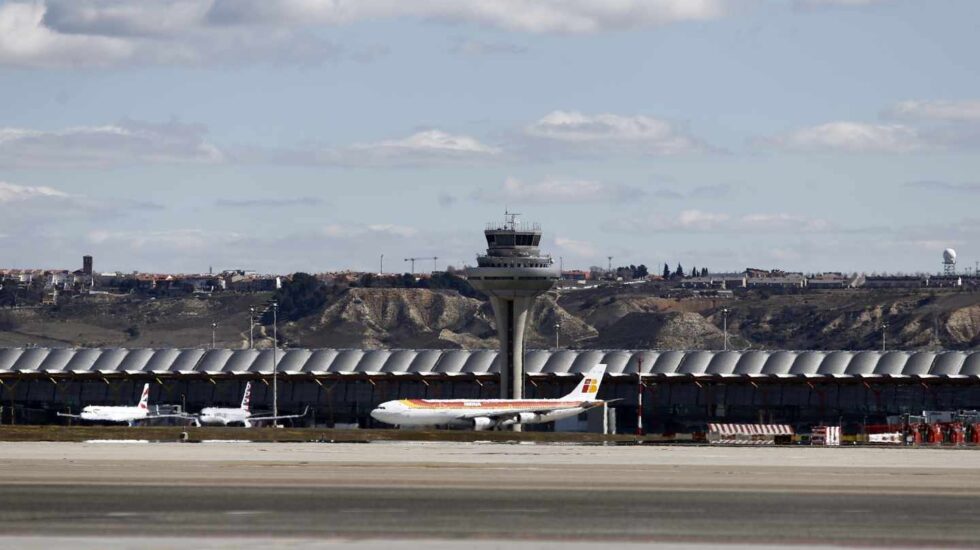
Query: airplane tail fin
[247,399]
[145,398]
[588,388]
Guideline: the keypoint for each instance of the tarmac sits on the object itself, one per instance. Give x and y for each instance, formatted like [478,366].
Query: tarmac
[373,495]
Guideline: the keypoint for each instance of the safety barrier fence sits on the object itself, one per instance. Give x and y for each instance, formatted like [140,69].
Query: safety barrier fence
[749,434]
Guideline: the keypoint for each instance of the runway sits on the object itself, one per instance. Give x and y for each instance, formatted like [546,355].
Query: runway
[330,494]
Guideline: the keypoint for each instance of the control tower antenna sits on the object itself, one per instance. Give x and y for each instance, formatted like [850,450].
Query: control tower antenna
[512,219]
[513,273]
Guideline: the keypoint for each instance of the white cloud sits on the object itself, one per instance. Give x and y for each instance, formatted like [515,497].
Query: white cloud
[347,231]
[553,191]
[534,16]
[852,137]
[421,148]
[699,221]
[428,143]
[610,131]
[481,47]
[164,241]
[101,33]
[583,249]
[126,142]
[948,111]
[841,2]
[10,193]
[26,41]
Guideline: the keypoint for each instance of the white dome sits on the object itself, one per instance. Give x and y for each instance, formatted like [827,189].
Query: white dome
[949,256]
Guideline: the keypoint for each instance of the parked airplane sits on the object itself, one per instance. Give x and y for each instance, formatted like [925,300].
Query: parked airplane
[238,416]
[492,413]
[129,415]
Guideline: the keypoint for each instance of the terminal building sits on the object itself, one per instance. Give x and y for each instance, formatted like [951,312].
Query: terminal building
[684,390]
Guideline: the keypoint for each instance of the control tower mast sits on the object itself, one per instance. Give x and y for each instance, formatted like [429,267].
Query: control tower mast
[512,273]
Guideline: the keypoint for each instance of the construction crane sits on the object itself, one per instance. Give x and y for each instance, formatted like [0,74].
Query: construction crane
[413,260]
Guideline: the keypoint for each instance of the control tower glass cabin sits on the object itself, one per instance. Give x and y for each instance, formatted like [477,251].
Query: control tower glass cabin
[512,273]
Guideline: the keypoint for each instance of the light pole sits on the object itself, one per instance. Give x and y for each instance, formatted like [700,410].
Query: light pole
[251,327]
[381,266]
[724,313]
[275,369]
[214,328]
[639,396]
[557,334]
[884,326]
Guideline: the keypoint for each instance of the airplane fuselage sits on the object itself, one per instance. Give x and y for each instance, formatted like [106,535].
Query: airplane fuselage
[224,416]
[105,413]
[478,414]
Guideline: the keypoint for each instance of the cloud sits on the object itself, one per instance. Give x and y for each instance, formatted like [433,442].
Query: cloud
[10,193]
[607,131]
[105,33]
[164,241]
[583,249]
[945,186]
[480,47]
[532,16]
[699,221]
[429,143]
[712,191]
[559,191]
[945,111]
[846,3]
[851,137]
[268,202]
[421,148]
[126,142]
[26,41]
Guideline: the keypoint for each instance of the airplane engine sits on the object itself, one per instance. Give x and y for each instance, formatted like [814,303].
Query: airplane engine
[483,423]
[522,418]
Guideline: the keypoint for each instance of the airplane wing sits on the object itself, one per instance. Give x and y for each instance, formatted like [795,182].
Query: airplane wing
[70,415]
[584,405]
[187,416]
[281,416]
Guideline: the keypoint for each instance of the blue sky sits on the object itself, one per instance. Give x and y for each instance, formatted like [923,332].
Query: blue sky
[283,135]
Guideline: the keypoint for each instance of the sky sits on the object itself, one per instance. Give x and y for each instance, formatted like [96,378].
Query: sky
[318,135]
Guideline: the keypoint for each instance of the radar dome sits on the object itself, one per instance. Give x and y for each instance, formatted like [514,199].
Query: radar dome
[949,256]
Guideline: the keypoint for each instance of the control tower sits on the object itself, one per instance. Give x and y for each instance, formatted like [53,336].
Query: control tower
[512,273]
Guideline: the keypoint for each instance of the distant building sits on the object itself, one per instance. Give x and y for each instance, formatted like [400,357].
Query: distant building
[716,281]
[792,280]
[86,265]
[576,275]
[894,281]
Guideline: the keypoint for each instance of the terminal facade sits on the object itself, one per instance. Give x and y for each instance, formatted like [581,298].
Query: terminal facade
[683,390]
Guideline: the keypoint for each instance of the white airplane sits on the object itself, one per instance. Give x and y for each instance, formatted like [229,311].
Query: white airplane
[492,413]
[129,415]
[241,415]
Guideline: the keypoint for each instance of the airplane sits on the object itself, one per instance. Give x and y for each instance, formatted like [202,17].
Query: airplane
[129,415]
[242,415]
[492,413]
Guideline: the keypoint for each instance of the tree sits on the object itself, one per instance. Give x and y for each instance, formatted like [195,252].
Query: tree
[641,272]
[704,271]
[680,271]
[694,272]
[666,271]
[300,296]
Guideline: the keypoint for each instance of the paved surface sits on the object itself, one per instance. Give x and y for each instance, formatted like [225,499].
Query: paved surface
[353,495]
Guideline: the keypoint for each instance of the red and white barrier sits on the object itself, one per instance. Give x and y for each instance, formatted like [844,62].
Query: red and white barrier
[893,438]
[746,434]
[826,435]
